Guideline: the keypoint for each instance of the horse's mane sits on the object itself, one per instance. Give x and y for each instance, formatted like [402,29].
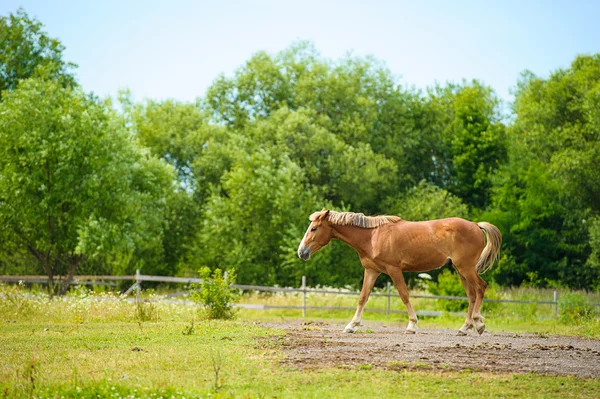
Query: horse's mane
[356,219]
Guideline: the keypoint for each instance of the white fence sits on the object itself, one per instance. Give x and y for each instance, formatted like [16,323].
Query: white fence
[138,279]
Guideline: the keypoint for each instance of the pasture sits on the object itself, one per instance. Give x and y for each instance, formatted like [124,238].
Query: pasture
[95,345]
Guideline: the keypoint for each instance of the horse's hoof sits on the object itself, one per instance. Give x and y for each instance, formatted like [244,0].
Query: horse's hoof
[351,327]
[481,329]
[410,332]
[461,333]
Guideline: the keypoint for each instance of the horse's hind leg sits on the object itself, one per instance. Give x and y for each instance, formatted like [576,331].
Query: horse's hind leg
[477,317]
[400,284]
[471,294]
[478,285]
[368,283]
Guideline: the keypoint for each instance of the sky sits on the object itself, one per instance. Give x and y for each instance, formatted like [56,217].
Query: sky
[176,49]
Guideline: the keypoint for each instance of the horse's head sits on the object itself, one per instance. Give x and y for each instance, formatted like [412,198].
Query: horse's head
[317,235]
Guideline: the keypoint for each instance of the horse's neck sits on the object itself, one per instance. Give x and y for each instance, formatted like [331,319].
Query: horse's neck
[357,237]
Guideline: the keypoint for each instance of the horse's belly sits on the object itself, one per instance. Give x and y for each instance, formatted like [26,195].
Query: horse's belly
[415,262]
[421,267]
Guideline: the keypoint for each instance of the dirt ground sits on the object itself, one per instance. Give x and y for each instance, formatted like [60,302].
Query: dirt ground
[312,345]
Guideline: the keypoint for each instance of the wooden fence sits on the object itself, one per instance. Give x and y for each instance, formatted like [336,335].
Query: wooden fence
[138,279]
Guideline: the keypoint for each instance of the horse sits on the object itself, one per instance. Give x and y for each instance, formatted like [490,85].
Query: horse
[391,245]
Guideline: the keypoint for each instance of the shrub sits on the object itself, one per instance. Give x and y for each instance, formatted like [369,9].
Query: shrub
[215,293]
[448,284]
[572,308]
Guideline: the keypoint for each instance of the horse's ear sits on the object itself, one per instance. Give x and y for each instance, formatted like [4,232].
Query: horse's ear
[325,214]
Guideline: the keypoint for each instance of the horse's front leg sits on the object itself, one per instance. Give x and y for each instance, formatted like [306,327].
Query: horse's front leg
[400,284]
[368,283]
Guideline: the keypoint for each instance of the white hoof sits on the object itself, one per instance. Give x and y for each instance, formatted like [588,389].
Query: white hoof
[480,325]
[351,327]
[464,329]
[412,328]
[480,328]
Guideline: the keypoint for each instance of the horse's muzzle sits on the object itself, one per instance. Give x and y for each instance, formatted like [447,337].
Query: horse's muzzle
[304,253]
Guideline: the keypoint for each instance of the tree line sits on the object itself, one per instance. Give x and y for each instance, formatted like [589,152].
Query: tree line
[90,185]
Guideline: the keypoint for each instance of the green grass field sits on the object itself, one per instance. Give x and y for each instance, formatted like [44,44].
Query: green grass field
[83,347]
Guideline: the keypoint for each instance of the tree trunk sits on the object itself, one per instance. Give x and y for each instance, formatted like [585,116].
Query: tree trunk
[46,264]
[75,261]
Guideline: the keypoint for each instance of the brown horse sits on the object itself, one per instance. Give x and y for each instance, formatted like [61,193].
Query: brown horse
[388,244]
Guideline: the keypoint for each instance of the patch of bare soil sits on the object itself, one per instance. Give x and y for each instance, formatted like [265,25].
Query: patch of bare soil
[312,345]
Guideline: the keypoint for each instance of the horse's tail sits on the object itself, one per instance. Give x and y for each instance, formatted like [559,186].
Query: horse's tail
[491,251]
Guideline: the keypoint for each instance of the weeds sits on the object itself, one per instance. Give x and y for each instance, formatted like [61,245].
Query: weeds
[30,374]
[188,329]
[573,308]
[216,362]
[146,311]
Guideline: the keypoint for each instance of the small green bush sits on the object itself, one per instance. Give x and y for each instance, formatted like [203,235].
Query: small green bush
[572,308]
[448,284]
[215,293]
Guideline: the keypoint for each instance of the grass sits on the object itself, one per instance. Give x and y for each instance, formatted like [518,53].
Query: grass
[85,348]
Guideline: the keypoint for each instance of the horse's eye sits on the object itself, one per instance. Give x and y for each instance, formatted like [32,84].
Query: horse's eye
[313,229]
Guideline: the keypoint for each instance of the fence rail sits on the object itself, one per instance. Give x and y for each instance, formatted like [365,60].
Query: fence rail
[139,278]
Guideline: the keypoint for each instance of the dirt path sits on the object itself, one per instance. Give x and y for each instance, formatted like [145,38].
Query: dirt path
[313,345]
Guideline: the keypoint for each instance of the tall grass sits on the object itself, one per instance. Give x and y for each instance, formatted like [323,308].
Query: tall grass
[82,305]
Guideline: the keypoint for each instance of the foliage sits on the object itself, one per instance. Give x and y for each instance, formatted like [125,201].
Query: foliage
[593,262]
[426,201]
[477,143]
[229,180]
[74,186]
[448,284]
[547,193]
[215,293]
[25,50]
[573,308]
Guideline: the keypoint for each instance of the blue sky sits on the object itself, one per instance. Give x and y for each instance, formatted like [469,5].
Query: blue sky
[175,49]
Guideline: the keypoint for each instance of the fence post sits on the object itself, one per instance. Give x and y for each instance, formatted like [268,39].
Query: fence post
[138,285]
[303,296]
[556,303]
[387,311]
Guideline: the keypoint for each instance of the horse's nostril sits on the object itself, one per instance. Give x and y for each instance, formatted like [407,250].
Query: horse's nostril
[304,253]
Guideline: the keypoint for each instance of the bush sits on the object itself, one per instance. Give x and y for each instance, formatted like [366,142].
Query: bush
[572,308]
[448,284]
[216,294]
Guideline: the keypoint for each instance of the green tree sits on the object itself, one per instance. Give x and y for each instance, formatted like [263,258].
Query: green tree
[547,197]
[355,99]
[74,185]
[338,172]
[473,141]
[426,202]
[165,127]
[26,48]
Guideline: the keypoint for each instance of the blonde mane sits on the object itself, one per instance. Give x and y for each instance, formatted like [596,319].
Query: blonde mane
[356,219]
